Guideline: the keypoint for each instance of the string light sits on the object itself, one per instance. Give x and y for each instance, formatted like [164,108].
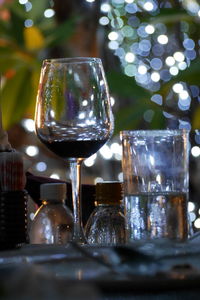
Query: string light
[146,42]
[150,29]
[195,151]
[162,39]
[49,13]
[130,57]
[55,176]
[32,150]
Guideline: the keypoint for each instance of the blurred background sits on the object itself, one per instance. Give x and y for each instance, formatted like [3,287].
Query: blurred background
[150,52]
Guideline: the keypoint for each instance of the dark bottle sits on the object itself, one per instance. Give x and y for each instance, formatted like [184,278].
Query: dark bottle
[106,224]
[53,221]
[13,199]
[13,219]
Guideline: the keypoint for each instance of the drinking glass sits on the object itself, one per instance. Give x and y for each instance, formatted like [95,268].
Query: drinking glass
[73,117]
[155,169]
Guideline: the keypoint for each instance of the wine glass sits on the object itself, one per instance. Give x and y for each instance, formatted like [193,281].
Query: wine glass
[73,117]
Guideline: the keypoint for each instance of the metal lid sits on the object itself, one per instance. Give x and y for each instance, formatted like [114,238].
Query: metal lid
[109,192]
[53,191]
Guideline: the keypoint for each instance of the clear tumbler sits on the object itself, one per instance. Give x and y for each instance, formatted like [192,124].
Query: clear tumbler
[155,170]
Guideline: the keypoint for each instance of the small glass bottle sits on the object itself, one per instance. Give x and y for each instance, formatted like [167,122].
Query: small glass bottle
[106,224]
[53,221]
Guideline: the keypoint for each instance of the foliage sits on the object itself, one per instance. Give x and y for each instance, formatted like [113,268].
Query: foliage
[131,116]
[154,44]
[22,50]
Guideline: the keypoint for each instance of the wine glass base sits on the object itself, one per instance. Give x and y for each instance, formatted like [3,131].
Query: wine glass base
[78,235]
[79,240]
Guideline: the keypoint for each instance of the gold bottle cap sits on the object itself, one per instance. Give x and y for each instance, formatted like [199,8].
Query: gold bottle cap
[109,192]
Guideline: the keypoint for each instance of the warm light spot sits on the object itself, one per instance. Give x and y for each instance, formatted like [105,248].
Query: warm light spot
[173,71]
[116,148]
[192,216]
[170,61]
[48,13]
[149,29]
[191,206]
[32,150]
[183,95]
[28,23]
[177,88]
[195,151]
[113,45]
[104,21]
[182,65]
[162,39]
[23,1]
[85,102]
[120,176]
[197,223]
[148,6]
[98,179]
[41,166]
[130,57]
[28,124]
[106,152]
[179,56]
[55,176]
[105,7]
[113,35]
[112,101]
[155,76]
[142,70]
[90,160]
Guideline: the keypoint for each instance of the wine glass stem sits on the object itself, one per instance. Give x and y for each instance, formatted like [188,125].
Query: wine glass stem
[75,172]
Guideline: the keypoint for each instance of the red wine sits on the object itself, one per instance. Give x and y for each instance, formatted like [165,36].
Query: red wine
[75,149]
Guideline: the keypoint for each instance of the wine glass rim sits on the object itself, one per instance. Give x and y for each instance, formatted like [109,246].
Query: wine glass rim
[72,60]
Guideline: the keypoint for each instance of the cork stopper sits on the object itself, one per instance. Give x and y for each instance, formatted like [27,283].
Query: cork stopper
[109,192]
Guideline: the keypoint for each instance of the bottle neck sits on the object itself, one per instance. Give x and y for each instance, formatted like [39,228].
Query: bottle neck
[52,201]
[107,203]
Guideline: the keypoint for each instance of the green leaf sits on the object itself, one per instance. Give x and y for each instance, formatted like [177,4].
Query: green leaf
[15,97]
[132,116]
[128,118]
[9,61]
[16,27]
[125,86]
[4,28]
[191,74]
[167,16]
[158,120]
[37,11]
[61,33]
[17,9]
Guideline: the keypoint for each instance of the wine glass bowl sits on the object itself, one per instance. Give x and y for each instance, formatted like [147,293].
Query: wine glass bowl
[73,116]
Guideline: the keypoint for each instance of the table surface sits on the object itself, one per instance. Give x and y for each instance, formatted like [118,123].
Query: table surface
[138,271]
